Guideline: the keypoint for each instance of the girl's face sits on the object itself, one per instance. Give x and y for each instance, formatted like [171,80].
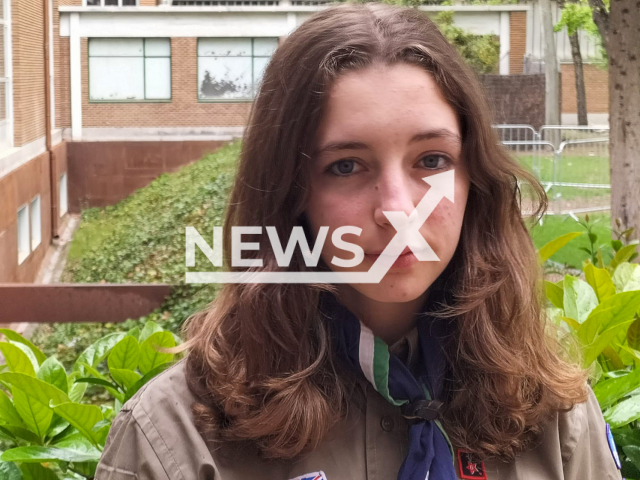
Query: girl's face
[385,128]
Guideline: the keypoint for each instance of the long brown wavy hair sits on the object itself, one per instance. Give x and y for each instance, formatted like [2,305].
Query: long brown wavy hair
[260,361]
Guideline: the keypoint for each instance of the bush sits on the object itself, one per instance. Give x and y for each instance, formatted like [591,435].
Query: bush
[600,310]
[47,429]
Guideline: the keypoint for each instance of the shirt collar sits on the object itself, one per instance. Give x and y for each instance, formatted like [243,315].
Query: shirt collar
[406,348]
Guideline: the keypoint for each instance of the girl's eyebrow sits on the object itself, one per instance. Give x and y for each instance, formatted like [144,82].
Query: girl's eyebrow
[426,135]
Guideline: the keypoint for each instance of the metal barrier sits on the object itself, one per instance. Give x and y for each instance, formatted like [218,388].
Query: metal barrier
[571,162]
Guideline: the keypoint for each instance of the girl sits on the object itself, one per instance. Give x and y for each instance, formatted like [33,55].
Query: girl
[368,119]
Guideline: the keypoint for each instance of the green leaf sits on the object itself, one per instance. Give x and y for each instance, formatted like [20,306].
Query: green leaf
[600,281]
[140,383]
[37,454]
[625,273]
[35,471]
[9,471]
[624,254]
[78,443]
[149,329]
[555,294]
[610,391]
[624,412]
[150,358]
[33,387]
[112,388]
[126,378]
[58,425]
[83,417]
[125,355]
[633,334]
[97,352]
[16,337]
[134,332]
[86,469]
[8,413]
[16,359]
[35,415]
[76,392]
[616,244]
[52,372]
[579,298]
[22,433]
[633,454]
[571,322]
[626,436]
[89,369]
[27,351]
[547,251]
[605,321]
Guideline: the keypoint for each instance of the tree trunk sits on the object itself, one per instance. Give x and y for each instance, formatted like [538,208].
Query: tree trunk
[624,112]
[581,93]
[552,79]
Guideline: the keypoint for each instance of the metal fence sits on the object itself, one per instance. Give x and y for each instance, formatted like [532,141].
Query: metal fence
[571,162]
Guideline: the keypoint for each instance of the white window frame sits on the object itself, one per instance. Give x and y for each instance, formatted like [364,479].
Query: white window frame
[252,56]
[144,69]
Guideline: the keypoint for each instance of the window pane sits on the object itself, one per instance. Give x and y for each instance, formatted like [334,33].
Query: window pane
[264,47]
[157,47]
[23,233]
[224,47]
[259,64]
[158,78]
[93,3]
[115,47]
[111,2]
[224,77]
[129,3]
[62,189]
[118,78]
[36,233]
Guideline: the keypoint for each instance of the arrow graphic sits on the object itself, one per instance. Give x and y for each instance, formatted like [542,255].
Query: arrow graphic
[442,185]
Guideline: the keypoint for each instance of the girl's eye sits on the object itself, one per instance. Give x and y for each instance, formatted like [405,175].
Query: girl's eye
[342,167]
[434,161]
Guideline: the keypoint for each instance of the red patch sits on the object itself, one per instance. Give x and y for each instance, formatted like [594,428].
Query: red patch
[470,469]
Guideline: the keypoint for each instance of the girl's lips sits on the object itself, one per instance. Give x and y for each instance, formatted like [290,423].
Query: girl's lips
[405,260]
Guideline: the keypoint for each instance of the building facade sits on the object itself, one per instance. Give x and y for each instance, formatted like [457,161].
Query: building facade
[128,89]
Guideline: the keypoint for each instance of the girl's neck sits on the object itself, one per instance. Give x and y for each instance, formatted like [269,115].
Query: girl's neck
[388,321]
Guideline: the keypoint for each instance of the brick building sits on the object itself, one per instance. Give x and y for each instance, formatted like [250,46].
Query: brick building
[136,88]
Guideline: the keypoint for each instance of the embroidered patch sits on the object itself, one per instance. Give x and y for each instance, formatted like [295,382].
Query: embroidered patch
[612,447]
[312,476]
[470,468]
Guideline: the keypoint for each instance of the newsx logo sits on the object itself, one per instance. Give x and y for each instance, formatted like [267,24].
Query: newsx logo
[407,235]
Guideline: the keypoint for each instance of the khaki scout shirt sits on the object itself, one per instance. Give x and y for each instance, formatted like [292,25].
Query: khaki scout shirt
[153,437]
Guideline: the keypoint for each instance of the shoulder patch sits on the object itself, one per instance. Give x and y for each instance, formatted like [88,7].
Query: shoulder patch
[469,468]
[312,476]
[612,447]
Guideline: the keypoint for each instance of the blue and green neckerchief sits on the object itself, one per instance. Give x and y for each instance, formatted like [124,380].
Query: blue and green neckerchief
[430,453]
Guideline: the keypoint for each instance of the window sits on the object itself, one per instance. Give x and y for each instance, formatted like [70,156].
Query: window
[24,247]
[6,96]
[111,3]
[36,232]
[62,189]
[231,68]
[129,69]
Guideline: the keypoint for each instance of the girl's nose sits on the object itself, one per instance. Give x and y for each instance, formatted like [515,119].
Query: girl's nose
[393,193]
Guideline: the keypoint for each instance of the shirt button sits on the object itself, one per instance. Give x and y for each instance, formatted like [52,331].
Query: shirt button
[387,423]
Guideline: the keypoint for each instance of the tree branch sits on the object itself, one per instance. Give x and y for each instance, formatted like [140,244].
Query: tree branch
[601,19]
